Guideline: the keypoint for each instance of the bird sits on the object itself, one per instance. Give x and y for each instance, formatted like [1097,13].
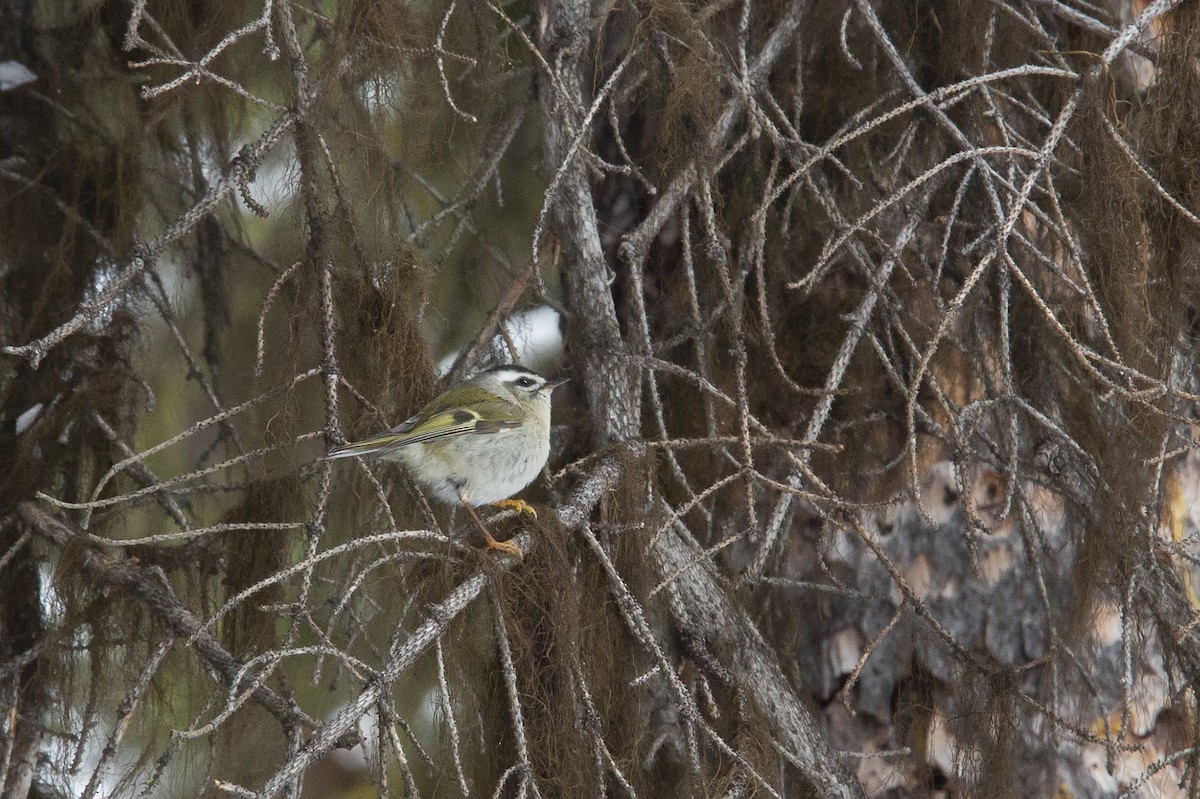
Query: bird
[477,443]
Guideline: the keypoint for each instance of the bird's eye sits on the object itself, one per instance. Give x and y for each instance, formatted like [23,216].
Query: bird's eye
[526,382]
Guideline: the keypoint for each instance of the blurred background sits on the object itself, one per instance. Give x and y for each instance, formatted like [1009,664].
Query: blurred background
[876,474]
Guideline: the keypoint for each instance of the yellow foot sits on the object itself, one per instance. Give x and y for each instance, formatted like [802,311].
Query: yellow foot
[503,546]
[519,505]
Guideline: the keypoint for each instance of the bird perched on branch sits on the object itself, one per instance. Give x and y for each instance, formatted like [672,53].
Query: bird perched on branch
[477,443]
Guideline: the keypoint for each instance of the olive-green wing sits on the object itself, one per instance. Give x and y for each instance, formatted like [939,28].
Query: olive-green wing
[437,420]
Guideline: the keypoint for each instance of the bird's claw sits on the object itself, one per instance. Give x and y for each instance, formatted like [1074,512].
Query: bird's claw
[518,505]
[507,547]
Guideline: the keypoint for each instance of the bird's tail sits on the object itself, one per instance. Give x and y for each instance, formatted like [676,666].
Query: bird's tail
[368,446]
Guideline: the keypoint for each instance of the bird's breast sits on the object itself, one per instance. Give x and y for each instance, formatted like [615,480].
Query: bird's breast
[485,467]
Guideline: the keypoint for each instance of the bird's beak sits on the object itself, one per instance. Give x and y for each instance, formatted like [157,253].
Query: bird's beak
[553,384]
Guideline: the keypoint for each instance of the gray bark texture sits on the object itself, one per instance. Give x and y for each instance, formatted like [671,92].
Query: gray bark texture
[877,471]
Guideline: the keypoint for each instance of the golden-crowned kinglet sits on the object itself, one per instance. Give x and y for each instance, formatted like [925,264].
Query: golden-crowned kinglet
[477,443]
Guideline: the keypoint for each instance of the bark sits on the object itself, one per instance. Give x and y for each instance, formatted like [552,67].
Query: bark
[594,339]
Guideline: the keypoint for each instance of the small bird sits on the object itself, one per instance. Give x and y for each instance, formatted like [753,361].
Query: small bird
[477,443]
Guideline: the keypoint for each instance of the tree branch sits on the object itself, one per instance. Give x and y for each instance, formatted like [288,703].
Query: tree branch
[586,274]
[594,337]
[108,573]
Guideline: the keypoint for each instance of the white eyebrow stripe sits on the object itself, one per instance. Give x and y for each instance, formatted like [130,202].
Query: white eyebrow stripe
[513,375]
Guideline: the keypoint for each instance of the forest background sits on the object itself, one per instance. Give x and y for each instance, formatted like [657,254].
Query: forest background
[876,474]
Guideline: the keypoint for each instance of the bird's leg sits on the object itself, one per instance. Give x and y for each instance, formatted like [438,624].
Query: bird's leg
[490,543]
[518,505]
